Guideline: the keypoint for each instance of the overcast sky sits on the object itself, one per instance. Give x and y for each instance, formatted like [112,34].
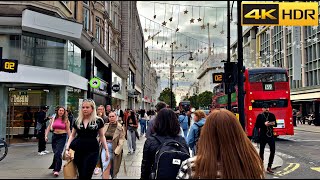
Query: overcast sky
[190,37]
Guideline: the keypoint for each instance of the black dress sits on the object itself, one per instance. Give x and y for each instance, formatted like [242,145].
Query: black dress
[87,148]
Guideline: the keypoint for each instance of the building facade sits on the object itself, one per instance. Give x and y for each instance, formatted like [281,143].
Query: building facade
[84,40]
[293,48]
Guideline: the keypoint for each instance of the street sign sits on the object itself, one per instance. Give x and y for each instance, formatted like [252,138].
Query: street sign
[9,65]
[217,77]
[116,87]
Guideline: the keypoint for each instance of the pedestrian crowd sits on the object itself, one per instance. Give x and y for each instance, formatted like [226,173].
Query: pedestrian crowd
[213,146]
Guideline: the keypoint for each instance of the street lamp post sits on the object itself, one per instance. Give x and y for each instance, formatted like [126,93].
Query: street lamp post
[172,71]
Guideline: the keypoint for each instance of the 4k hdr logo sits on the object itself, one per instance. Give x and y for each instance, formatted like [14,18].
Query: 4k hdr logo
[280,14]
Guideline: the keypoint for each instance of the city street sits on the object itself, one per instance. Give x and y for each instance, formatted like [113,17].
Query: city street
[300,154]
[297,155]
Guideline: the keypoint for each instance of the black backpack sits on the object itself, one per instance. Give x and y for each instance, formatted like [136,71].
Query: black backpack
[168,158]
[197,136]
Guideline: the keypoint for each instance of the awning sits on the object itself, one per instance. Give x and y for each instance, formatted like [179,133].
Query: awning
[309,96]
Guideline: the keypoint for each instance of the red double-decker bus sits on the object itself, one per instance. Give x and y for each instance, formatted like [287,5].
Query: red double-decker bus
[268,85]
[263,85]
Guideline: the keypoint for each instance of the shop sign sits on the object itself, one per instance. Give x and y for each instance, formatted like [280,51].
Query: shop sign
[20,100]
[102,89]
[116,87]
[71,89]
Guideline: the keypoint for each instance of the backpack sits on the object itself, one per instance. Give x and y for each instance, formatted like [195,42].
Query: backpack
[197,136]
[168,158]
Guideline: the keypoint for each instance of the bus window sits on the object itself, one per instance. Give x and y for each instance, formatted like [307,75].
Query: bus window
[279,103]
[268,77]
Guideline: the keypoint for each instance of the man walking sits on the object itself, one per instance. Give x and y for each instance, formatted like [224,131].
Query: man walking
[42,119]
[27,119]
[120,114]
[265,123]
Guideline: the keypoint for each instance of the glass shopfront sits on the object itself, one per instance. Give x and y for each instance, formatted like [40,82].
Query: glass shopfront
[74,97]
[19,101]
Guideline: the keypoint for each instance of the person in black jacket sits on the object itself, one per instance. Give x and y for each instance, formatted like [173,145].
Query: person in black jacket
[166,126]
[265,123]
[42,119]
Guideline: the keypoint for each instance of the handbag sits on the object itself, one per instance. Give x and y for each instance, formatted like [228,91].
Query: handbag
[39,126]
[75,144]
[70,170]
[256,135]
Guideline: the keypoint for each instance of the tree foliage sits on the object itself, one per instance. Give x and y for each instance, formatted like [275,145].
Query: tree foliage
[203,100]
[165,97]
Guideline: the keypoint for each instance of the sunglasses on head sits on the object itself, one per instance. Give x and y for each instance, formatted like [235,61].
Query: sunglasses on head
[88,100]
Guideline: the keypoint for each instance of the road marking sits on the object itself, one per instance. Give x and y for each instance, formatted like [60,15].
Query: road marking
[292,167]
[315,168]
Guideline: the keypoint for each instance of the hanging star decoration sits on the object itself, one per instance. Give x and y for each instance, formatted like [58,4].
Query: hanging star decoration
[170,19]
[288,44]
[177,47]
[186,47]
[276,50]
[314,27]
[164,23]
[191,20]
[177,29]
[215,25]
[203,26]
[222,32]
[199,19]
[186,11]
[154,16]
[298,46]
[309,40]
[315,39]
[265,53]
[282,51]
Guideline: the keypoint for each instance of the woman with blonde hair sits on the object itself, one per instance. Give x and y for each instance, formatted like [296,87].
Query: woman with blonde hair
[195,129]
[83,139]
[224,151]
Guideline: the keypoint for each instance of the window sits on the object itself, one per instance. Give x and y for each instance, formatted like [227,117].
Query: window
[268,77]
[86,19]
[272,103]
[98,30]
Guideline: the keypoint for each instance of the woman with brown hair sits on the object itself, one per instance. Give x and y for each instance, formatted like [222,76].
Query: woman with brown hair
[224,151]
[195,130]
[60,126]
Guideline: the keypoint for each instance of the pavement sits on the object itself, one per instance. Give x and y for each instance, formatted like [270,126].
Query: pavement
[308,128]
[23,161]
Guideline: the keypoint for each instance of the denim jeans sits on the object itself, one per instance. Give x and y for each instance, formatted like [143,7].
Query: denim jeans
[143,127]
[58,142]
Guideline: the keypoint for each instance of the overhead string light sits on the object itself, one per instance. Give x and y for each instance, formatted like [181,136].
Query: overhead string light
[204,14]
[154,11]
[178,20]
[164,23]
[170,19]
[215,23]
[192,19]
[222,31]
[199,19]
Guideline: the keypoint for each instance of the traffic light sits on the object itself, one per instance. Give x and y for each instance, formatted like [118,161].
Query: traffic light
[231,73]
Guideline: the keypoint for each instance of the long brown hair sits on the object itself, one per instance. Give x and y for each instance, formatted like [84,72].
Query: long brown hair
[64,116]
[223,141]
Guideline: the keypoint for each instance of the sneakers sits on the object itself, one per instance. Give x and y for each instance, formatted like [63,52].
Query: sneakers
[41,153]
[269,170]
[46,151]
[56,174]
[96,171]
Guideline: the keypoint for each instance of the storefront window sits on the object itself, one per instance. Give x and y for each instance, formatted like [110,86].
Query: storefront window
[74,96]
[76,64]
[44,51]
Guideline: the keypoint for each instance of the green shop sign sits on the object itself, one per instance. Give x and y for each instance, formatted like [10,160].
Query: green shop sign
[224,99]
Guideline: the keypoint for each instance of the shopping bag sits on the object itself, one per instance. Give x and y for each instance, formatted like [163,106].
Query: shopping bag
[70,170]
